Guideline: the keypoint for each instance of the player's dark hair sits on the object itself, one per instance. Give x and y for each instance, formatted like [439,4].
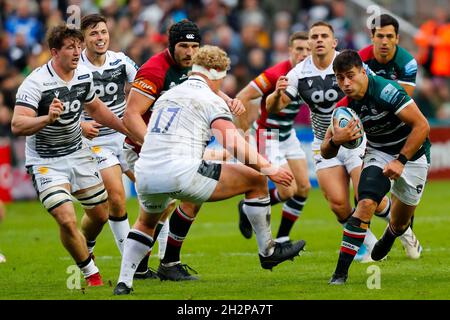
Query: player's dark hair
[346,60]
[299,35]
[91,20]
[383,21]
[58,34]
[322,24]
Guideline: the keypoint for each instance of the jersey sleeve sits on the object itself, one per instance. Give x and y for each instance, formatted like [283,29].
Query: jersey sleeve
[408,73]
[131,68]
[218,110]
[292,88]
[149,81]
[266,82]
[394,97]
[28,95]
[91,94]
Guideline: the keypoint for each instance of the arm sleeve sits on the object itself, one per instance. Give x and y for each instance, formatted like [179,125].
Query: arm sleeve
[409,73]
[218,110]
[91,94]
[131,68]
[292,89]
[28,95]
[148,82]
[394,97]
[266,82]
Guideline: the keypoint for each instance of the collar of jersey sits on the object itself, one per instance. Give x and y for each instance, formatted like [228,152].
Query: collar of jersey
[55,75]
[197,77]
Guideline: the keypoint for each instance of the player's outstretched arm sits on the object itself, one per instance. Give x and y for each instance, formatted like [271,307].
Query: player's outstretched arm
[25,123]
[103,115]
[278,100]
[137,105]
[229,137]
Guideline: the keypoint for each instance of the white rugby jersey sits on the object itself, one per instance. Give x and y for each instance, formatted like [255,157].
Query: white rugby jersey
[109,81]
[179,128]
[62,137]
[319,89]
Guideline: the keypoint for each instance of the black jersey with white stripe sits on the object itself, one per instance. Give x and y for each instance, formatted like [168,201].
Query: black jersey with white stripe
[319,89]
[37,92]
[109,81]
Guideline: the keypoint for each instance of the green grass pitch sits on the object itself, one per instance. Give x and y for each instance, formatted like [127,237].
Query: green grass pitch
[228,264]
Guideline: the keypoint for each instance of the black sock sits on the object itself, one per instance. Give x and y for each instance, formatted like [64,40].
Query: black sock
[352,240]
[179,225]
[291,211]
[274,196]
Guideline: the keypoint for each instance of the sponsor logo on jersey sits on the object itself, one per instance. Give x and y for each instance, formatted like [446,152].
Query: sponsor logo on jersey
[47,84]
[145,85]
[116,73]
[81,91]
[263,82]
[115,62]
[83,76]
[388,93]
[310,82]
[411,68]
[184,76]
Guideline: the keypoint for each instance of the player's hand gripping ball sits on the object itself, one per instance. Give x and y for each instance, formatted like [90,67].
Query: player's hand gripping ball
[344,115]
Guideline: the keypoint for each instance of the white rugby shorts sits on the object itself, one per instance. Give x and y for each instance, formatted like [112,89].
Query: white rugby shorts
[78,169]
[409,187]
[349,158]
[108,151]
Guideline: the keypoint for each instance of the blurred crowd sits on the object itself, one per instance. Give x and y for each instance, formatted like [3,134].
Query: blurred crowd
[253,32]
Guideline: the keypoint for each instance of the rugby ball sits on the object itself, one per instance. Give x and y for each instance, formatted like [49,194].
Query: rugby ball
[344,115]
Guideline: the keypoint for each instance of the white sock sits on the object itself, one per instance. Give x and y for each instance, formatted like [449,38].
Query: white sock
[258,213]
[370,240]
[136,246]
[120,229]
[386,213]
[162,239]
[90,245]
[89,269]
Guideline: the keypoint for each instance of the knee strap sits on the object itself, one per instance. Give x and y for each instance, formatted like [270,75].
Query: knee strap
[373,184]
[92,197]
[53,197]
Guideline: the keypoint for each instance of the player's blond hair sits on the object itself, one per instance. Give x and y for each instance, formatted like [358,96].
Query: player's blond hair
[212,57]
